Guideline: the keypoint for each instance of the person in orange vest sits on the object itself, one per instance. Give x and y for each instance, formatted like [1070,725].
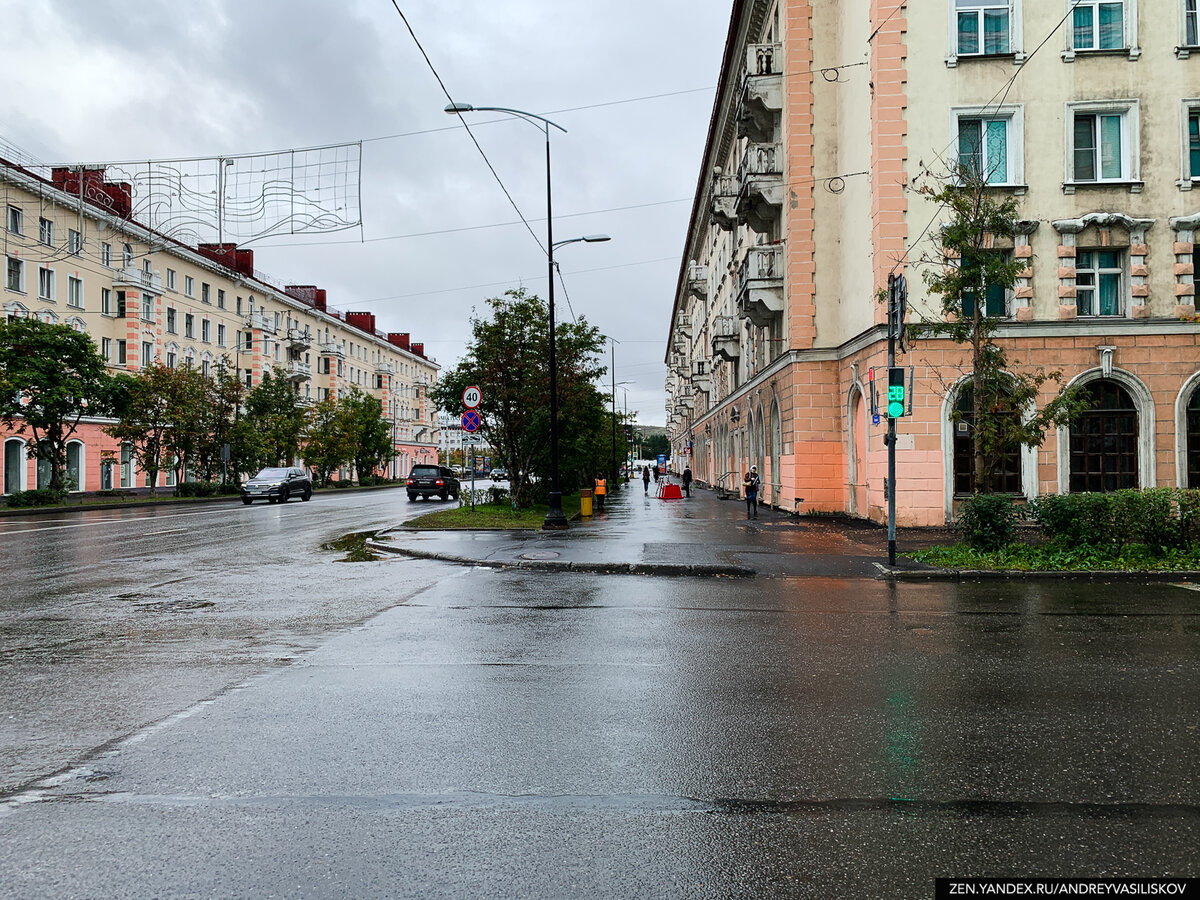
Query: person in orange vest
[601,490]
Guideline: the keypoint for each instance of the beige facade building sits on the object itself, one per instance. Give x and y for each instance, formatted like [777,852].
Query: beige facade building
[828,119]
[74,255]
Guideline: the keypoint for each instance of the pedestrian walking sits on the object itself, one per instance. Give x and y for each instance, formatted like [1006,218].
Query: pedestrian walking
[687,480]
[598,492]
[751,484]
[656,473]
[646,480]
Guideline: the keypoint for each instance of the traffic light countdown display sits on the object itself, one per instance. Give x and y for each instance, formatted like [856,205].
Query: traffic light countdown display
[897,396]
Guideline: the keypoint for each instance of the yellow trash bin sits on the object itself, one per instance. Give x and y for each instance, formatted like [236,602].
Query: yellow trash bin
[585,503]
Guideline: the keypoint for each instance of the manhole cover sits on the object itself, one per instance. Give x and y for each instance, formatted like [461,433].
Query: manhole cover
[540,554]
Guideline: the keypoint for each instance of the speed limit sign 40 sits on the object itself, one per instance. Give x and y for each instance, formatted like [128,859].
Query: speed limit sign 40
[472,397]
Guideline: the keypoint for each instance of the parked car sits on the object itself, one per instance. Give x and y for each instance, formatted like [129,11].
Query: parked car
[456,469]
[277,485]
[426,481]
[500,474]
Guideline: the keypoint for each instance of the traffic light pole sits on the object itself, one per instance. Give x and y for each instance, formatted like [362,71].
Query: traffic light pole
[893,304]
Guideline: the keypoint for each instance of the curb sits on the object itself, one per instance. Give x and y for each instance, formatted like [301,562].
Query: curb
[662,570]
[1023,575]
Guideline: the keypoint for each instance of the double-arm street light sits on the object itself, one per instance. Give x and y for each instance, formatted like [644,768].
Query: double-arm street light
[555,520]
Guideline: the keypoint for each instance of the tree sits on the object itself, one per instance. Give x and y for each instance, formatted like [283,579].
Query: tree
[223,394]
[327,444]
[1004,414]
[275,413]
[508,358]
[50,377]
[369,434]
[157,414]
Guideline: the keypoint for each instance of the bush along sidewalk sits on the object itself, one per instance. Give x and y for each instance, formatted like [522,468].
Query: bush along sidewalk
[1127,530]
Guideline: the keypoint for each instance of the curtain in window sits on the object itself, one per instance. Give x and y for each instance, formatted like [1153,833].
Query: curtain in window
[1112,26]
[1110,301]
[1110,146]
[970,145]
[1085,148]
[997,152]
[1083,37]
[968,32]
[1194,142]
[1191,16]
[995,31]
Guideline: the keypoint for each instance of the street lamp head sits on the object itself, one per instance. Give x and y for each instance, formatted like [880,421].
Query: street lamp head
[455,108]
[596,238]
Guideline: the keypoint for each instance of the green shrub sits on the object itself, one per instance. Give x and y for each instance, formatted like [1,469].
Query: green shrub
[499,496]
[198,489]
[342,484]
[1076,520]
[987,521]
[1189,516]
[39,497]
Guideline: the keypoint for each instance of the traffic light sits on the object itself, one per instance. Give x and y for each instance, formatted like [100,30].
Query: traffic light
[897,399]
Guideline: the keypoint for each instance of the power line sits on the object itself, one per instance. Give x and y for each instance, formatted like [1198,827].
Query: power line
[465,125]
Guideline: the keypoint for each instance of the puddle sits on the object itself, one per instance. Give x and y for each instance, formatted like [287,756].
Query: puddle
[354,545]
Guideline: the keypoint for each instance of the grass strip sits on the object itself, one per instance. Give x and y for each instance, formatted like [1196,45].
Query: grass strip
[1026,558]
[490,516]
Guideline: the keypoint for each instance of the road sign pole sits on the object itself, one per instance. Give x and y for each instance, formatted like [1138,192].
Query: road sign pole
[893,318]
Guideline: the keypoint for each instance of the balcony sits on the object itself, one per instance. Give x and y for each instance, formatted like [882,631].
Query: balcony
[761,100]
[332,348]
[760,285]
[299,338]
[726,338]
[684,323]
[760,186]
[724,201]
[697,283]
[131,277]
[258,321]
[385,368]
[298,370]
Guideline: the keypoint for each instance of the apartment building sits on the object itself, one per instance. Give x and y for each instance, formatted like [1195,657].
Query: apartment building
[828,119]
[74,254]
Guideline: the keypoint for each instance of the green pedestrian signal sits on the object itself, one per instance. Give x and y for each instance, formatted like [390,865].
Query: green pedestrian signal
[897,405]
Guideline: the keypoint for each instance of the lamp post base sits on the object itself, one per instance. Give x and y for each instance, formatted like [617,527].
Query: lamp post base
[555,519]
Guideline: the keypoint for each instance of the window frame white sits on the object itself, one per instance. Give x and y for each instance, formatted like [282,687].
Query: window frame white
[74,292]
[47,286]
[1014,115]
[189,285]
[189,325]
[127,255]
[46,231]
[106,349]
[106,304]
[74,241]
[1129,23]
[1131,140]
[220,334]
[1188,108]
[1125,294]
[206,331]
[106,255]
[20,264]
[1185,48]
[147,356]
[171,279]
[15,217]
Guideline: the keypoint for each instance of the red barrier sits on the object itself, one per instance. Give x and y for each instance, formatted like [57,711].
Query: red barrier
[671,492]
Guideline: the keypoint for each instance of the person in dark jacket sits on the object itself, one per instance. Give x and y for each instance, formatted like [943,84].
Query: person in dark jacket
[751,483]
[687,480]
[646,480]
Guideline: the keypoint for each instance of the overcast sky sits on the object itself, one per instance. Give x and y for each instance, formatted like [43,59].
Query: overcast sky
[97,80]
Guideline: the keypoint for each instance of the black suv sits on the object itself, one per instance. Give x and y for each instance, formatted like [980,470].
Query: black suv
[275,485]
[426,481]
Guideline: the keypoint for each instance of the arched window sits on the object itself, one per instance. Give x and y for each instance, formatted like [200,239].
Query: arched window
[1193,441]
[1104,441]
[1006,477]
[44,469]
[760,447]
[776,449]
[14,465]
[75,467]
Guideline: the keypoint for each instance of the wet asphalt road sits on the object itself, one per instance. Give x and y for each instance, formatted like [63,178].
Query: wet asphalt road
[521,734]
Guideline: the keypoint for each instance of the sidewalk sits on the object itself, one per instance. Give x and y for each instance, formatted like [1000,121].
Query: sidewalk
[639,534]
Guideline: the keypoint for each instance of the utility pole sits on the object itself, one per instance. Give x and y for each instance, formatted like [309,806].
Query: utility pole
[897,302]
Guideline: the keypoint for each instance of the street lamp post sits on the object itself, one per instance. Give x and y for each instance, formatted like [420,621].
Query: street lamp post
[555,519]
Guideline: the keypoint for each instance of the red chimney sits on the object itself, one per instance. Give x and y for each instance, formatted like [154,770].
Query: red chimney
[399,339]
[419,349]
[241,261]
[363,321]
[116,197]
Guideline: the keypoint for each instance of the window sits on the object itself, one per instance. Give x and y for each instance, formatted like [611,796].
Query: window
[1104,142]
[46,284]
[106,348]
[984,27]
[46,232]
[220,335]
[16,220]
[1104,441]
[74,292]
[1192,150]
[122,356]
[239,306]
[127,255]
[204,295]
[106,255]
[189,325]
[189,285]
[989,148]
[206,331]
[172,358]
[206,367]
[14,276]
[1193,441]
[1098,25]
[1099,278]
[171,320]
[1191,23]
[74,241]
[106,302]
[220,299]
[147,353]
[121,307]
[170,279]
[147,308]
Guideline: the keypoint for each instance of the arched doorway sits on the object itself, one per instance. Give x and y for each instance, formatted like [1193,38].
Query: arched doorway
[1104,441]
[858,455]
[760,452]
[75,466]
[776,451]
